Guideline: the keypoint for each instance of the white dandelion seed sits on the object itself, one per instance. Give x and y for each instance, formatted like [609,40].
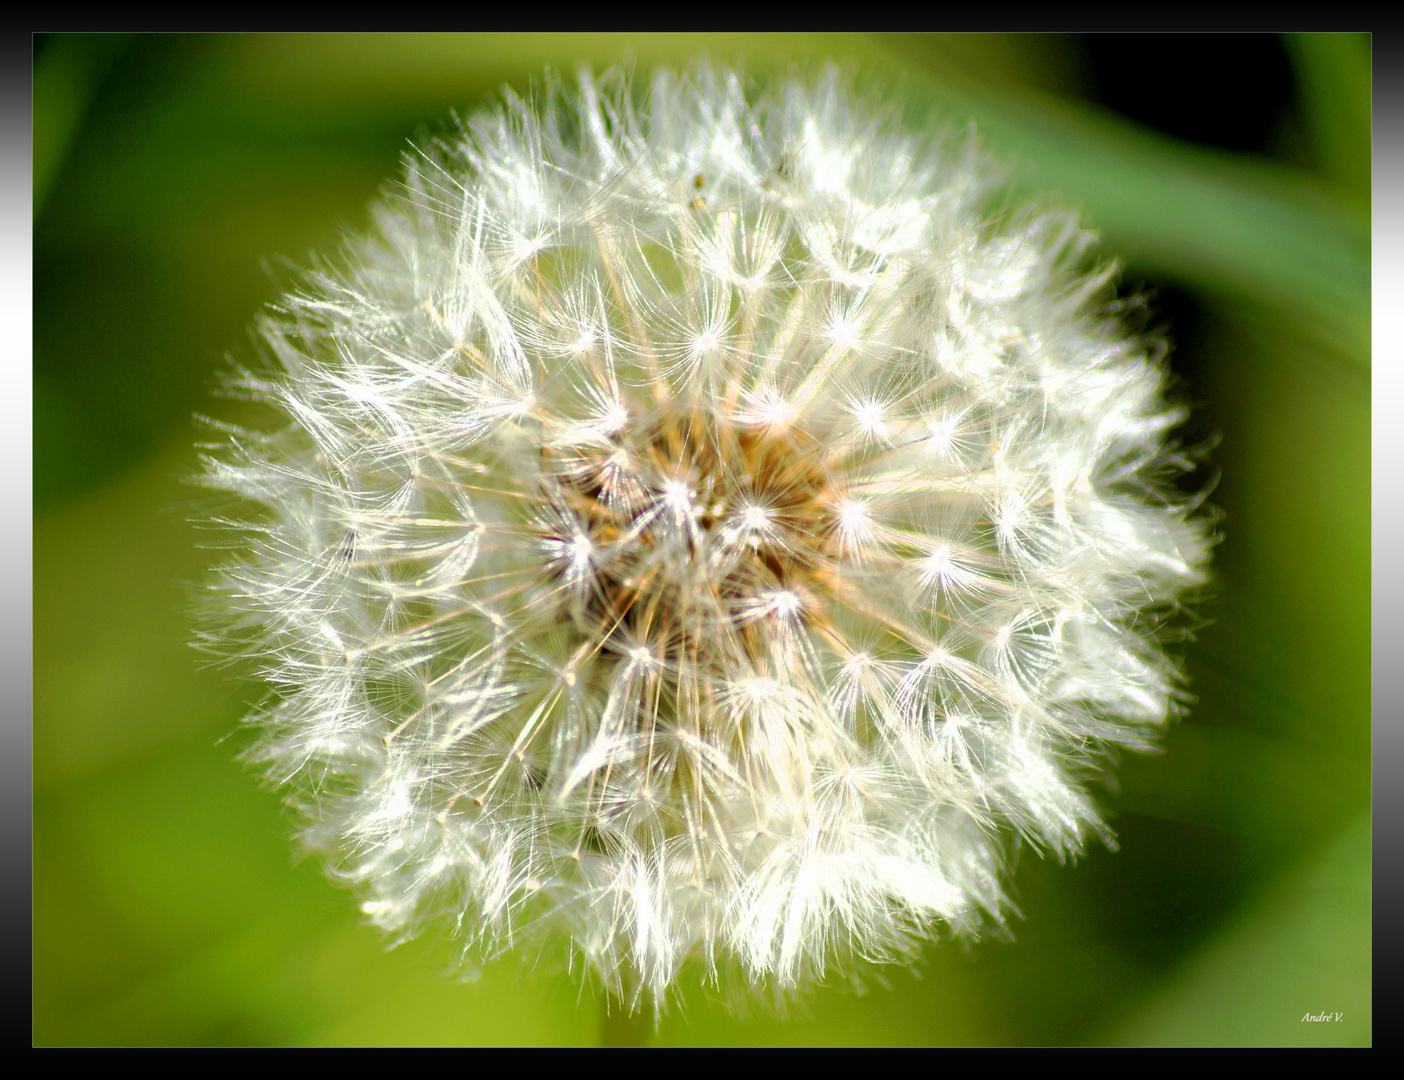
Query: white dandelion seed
[695,531]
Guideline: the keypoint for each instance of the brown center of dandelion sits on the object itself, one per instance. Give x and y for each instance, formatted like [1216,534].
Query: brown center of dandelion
[701,527]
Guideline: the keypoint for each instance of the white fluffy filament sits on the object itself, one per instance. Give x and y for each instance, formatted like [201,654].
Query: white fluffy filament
[696,530]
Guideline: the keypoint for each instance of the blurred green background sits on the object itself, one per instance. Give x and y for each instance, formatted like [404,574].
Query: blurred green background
[178,179]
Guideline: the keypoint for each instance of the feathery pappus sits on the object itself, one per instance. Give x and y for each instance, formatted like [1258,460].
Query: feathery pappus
[704,527]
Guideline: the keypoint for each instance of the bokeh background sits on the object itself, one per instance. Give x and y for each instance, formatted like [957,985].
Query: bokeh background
[179,180]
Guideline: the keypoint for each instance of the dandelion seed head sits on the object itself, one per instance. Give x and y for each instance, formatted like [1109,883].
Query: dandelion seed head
[697,528]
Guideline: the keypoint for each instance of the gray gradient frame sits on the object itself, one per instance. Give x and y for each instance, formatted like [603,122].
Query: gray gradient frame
[16,492]
[1387,499]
